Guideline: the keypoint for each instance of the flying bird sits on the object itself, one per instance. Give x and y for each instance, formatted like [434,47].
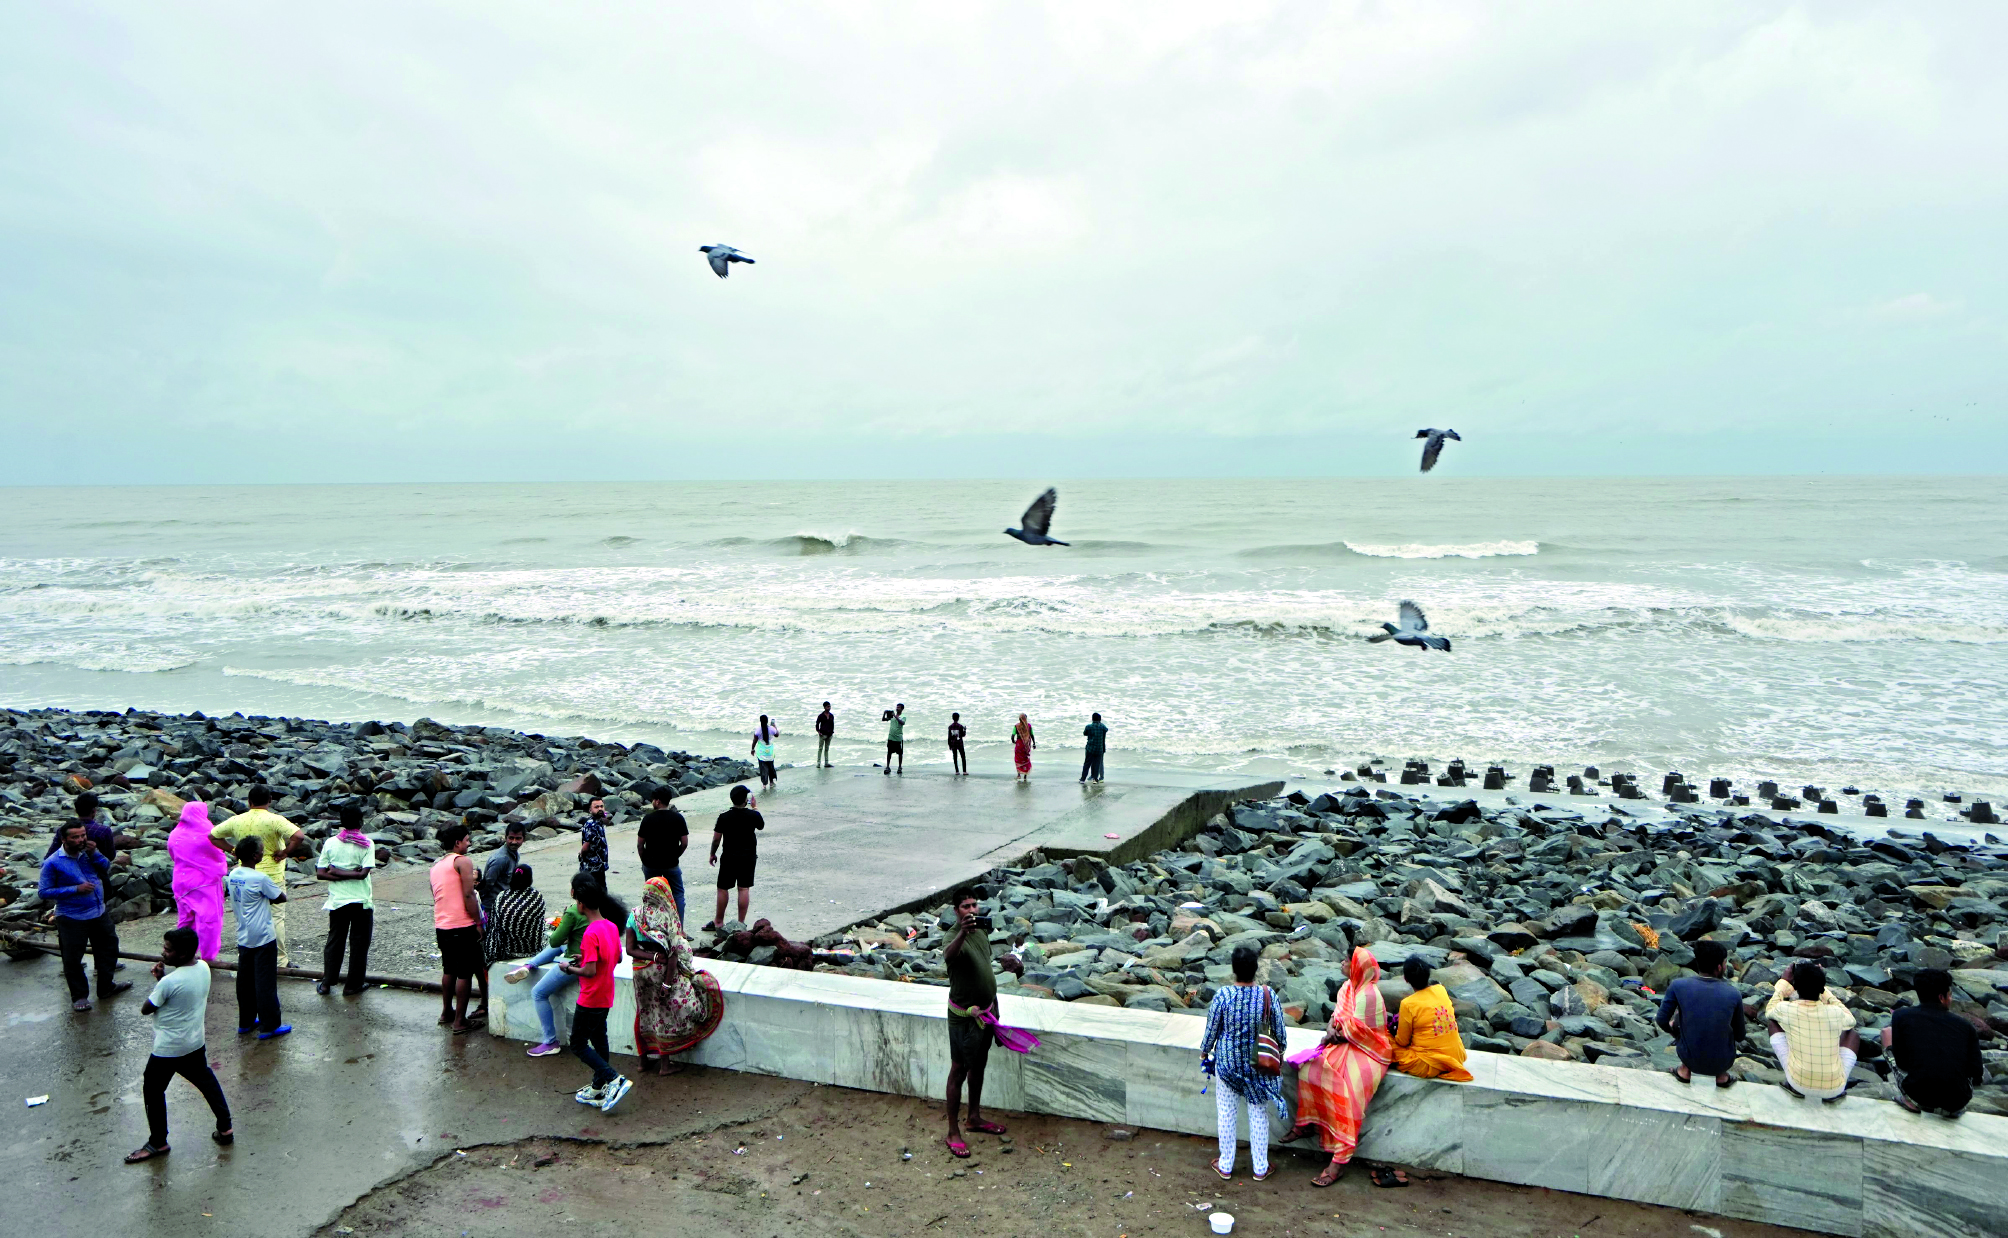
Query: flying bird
[1037,519]
[1430,450]
[1414,630]
[721,257]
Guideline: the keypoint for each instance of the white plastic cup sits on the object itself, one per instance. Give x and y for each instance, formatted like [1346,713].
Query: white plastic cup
[1223,1223]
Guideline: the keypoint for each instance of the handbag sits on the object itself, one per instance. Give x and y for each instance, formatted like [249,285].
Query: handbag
[1268,1054]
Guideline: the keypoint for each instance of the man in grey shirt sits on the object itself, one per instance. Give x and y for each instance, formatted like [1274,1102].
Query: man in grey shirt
[501,862]
[178,1003]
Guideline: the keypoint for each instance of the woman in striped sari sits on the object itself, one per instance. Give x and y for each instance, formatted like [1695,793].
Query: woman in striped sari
[1335,1086]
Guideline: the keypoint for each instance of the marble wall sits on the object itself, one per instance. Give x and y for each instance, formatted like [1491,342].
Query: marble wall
[1862,1167]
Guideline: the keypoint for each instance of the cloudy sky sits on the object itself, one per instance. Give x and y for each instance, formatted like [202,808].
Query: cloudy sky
[385,241]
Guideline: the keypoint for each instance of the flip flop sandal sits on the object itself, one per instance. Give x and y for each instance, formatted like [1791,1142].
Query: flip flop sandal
[1388,1178]
[224,1137]
[1908,1104]
[1725,1082]
[1214,1165]
[1675,1072]
[1264,1174]
[983,1128]
[145,1152]
[958,1147]
[1335,1171]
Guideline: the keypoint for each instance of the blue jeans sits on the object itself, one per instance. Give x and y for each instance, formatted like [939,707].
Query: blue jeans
[547,984]
[674,873]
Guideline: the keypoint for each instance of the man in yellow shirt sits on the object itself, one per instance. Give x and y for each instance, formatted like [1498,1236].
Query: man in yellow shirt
[279,837]
[1812,1033]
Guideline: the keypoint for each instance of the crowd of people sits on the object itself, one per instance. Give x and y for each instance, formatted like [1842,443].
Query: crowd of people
[496,913]
[1936,1053]
[480,917]
[1023,744]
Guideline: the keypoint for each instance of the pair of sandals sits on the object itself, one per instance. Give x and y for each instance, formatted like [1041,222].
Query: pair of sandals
[1685,1075]
[1214,1164]
[147,1152]
[961,1148]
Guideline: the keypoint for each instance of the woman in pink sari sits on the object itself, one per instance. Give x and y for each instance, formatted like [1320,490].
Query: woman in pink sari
[1335,1085]
[199,865]
[1022,744]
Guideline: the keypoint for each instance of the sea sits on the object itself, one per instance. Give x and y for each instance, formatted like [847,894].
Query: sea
[1825,630]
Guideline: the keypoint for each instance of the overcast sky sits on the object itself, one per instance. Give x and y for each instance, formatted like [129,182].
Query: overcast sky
[415,240]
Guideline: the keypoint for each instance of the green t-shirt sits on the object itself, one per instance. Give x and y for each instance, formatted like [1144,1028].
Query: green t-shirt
[895,731]
[971,983]
[570,930]
[270,829]
[337,854]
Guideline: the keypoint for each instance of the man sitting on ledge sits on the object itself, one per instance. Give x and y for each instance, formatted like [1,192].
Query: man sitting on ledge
[1426,1043]
[1936,1053]
[1812,1034]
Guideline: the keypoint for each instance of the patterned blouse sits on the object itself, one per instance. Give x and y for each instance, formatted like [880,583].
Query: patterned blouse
[516,927]
[1232,1022]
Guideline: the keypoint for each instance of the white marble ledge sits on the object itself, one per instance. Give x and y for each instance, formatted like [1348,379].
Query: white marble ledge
[1761,1104]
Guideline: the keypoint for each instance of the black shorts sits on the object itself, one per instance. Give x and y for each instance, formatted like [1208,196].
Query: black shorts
[767,770]
[736,870]
[460,951]
[969,1042]
[895,745]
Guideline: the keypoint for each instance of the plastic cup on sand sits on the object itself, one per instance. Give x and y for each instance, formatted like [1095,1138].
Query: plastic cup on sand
[1223,1223]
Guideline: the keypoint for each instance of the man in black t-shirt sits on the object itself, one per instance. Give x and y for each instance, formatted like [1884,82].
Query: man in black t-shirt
[1936,1053]
[737,835]
[958,759]
[660,842]
[826,729]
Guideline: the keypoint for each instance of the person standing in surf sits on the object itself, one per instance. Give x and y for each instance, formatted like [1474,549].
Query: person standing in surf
[1022,744]
[958,758]
[763,752]
[895,738]
[826,730]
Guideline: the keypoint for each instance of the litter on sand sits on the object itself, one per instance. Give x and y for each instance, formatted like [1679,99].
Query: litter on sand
[37,1100]
[1112,836]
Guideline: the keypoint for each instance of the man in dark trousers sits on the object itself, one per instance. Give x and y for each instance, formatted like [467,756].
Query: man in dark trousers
[1936,1054]
[1098,741]
[972,991]
[73,878]
[958,735]
[660,841]
[826,730]
[737,836]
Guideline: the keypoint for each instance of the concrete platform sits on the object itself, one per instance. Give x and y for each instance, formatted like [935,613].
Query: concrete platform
[850,843]
[1860,1168]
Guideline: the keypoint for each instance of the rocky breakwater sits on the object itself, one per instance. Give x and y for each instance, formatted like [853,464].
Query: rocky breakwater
[409,779]
[1552,928]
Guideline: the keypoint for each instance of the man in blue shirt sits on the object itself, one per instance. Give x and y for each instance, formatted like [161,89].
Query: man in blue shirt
[1705,1013]
[73,878]
[1097,732]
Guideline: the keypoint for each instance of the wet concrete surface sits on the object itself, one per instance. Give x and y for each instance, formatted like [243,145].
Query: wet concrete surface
[365,1090]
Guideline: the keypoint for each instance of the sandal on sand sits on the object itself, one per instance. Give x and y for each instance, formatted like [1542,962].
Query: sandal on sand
[1295,1133]
[1331,1173]
[958,1147]
[983,1128]
[1383,1176]
[224,1137]
[1264,1174]
[145,1152]
[1214,1165]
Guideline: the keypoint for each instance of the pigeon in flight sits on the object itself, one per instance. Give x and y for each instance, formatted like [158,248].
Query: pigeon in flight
[722,256]
[1037,519]
[1414,630]
[1430,450]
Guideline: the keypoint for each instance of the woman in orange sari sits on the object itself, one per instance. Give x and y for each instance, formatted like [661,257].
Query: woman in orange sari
[1426,1043]
[1335,1085]
[1022,744]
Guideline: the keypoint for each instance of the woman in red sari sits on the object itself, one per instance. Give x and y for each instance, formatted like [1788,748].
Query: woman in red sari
[1335,1086]
[1022,744]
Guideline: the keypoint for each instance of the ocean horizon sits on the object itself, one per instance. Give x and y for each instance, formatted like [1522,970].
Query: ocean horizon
[1826,630]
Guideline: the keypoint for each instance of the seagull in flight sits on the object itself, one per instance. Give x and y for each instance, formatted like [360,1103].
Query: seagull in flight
[722,256]
[1430,450]
[1037,519]
[1414,630]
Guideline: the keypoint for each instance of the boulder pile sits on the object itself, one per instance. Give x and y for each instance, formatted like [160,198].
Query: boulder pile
[410,780]
[1554,929]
